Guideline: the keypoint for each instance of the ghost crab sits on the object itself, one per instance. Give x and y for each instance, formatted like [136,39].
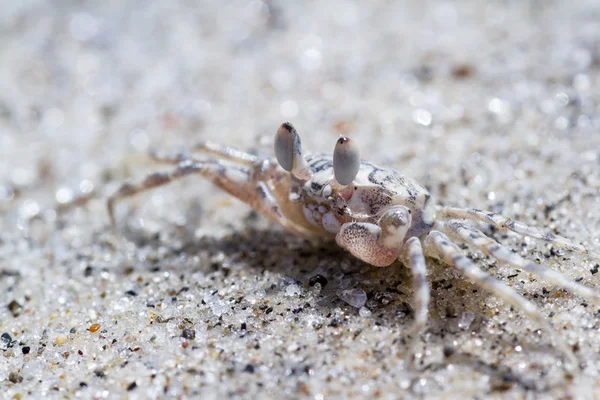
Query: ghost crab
[376,214]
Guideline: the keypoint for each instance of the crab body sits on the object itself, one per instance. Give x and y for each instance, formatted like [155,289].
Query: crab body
[326,207]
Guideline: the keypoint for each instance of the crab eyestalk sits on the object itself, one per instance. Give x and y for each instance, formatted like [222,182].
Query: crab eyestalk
[288,150]
[346,161]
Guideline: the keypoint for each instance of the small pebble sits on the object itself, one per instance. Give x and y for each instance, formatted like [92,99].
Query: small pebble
[466,320]
[61,339]
[5,340]
[15,308]
[131,386]
[249,368]
[320,279]
[94,328]
[188,334]
[364,312]
[292,290]
[14,377]
[462,71]
[355,297]
[448,351]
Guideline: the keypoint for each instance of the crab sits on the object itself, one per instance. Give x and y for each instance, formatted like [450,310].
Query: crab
[375,213]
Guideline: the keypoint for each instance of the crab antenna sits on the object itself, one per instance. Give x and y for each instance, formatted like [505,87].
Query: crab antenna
[346,161]
[288,150]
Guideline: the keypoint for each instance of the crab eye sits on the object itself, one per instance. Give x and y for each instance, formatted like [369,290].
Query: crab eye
[285,142]
[346,161]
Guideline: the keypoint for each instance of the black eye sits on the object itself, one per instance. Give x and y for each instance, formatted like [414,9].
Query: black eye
[346,161]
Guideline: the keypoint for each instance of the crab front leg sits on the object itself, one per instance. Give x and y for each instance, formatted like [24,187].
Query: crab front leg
[413,257]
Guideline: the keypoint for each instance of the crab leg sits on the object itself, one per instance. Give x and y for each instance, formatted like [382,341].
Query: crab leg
[234,179]
[518,227]
[172,159]
[226,153]
[438,244]
[231,178]
[211,148]
[494,249]
[78,201]
[415,260]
